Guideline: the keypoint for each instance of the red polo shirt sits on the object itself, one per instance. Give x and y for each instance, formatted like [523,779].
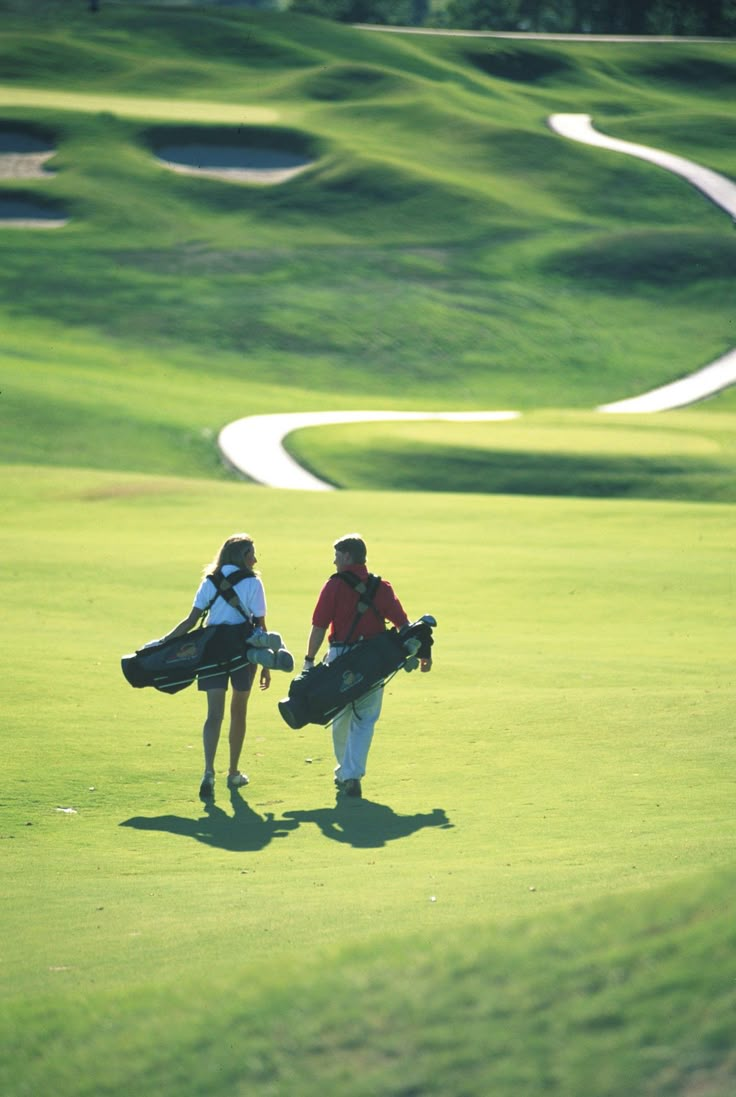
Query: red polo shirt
[338,603]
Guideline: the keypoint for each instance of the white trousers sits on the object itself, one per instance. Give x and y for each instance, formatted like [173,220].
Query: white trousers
[352,730]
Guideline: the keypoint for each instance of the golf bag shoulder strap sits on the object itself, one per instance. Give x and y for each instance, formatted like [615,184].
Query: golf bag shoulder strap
[366,591]
[226,584]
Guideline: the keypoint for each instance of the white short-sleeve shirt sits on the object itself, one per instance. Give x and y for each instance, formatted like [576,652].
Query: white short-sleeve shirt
[250,592]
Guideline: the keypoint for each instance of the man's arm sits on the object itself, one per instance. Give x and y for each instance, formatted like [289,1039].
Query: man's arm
[323,611]
[314,643]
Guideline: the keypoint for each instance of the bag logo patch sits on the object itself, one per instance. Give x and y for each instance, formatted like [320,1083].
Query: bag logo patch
[186,651]
[350,678]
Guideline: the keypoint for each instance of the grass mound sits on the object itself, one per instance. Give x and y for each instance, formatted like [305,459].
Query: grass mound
[22,57]
[342,83]
[701,74]
[672,258]
[520,65]
[269,137]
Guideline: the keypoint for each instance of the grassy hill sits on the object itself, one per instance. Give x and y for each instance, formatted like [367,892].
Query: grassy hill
[535,895]
[442,231]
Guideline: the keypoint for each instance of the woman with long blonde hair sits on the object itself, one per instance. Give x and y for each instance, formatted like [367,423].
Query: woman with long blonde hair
[237,554]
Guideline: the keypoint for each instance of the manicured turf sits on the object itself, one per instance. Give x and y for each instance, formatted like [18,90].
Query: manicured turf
[573,743]
[535,895]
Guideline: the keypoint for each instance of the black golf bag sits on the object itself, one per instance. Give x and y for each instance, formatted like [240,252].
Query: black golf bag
[174,664]
[171,665]
[319,694]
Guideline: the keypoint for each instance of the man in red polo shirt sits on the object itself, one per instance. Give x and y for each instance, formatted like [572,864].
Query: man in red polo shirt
[339,611]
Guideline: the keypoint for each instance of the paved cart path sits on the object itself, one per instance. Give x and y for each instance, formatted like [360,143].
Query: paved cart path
[721,191]
[254,445]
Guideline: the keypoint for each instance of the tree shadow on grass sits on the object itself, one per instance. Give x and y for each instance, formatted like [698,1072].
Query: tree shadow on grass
[245,831]
[367,825]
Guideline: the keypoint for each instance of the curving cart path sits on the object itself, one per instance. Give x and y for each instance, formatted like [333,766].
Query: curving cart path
[254,445]
[721,191]
[579,127]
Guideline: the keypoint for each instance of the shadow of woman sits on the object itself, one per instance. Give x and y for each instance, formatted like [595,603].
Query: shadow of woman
[245,831]
[367,825]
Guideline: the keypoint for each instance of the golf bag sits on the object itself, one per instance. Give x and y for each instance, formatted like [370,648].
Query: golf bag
[319,694]
[173,665]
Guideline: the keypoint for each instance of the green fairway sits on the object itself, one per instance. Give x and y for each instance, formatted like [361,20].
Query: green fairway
[535,896]
[573,743]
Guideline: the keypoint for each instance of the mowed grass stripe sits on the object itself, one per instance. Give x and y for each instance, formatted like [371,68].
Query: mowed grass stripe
[133,106]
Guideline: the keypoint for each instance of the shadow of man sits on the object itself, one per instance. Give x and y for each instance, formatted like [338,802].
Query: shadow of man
[367,825]
[245,831]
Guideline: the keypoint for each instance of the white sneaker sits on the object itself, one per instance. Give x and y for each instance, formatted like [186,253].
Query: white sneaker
[237,780]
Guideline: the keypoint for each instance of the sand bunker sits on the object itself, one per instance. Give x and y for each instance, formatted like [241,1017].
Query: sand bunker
[232,163]
[24,213]
[22,156]
[24,165]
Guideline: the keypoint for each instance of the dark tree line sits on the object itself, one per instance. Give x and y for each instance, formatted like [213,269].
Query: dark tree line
[710,18]
[707,18]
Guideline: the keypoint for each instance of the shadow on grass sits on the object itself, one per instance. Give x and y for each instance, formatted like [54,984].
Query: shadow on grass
[367,825]
[566,475]
[358,823]
[245,831]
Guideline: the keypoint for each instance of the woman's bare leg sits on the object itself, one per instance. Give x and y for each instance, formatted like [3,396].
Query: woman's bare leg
[238,711]
[212,725]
